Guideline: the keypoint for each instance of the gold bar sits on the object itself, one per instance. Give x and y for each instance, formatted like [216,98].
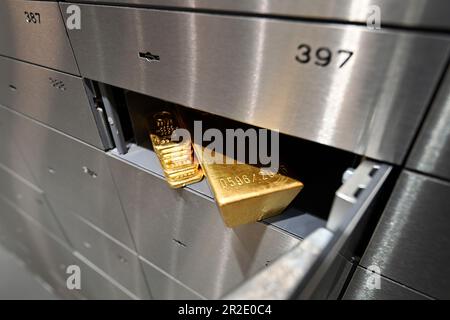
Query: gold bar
[177,164]
[181,168]
[182,174]
[180,183]
[168,148]
[176,158]
[185,154]
[243,193]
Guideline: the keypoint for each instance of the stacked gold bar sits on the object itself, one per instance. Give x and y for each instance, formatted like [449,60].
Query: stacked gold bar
[177,160]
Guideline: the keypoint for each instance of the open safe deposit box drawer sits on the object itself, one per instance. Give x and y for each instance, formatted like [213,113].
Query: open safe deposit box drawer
[329,216]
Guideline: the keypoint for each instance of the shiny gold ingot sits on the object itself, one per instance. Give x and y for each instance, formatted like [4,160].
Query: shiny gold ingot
[162,126]
[164,146]
[179,165]
[177,161]
[179,176]
[182,170]
[173,165]
[176,155]
[244,193]
[180,183]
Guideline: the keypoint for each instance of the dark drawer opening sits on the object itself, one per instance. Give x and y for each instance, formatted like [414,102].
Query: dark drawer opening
[319,167]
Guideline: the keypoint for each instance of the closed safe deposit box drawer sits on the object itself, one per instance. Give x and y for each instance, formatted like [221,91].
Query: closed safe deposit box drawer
[33,31]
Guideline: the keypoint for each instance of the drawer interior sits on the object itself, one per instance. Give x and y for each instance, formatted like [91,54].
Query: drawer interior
[319,167]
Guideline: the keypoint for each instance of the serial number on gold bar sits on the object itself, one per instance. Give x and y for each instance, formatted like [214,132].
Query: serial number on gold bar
[239,180]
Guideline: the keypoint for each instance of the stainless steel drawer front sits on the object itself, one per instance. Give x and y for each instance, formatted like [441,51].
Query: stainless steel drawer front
[74,176]
[49,258]
[31,243]
[41,39]
[30,200]
[10,155]
[363,287]
[276,74]
[14,231]
[431,152]
[116,260]
[164,287]
[54,98]
[410,244]
[422,13]
[97,285]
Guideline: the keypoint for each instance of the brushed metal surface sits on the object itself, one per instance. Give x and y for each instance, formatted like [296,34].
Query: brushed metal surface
[165,287]
[28,241]
[296,222]
[279,280]
[48,258]
[54,98]
[13,231]
[411,240]
[44,43]
[414,13]
[11,158]
[18,283]
[361,287]
[74,176]
[431,152]
[182,233]
[30,199]
[97,285]
[115,259]
[246,69]
[334,281]
[10,155]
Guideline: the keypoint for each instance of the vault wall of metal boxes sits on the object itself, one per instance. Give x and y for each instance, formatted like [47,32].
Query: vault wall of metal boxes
[366,112]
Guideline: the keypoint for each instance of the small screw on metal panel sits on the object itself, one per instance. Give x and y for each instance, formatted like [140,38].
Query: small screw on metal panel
[347,174]
[122,259]
[89,172]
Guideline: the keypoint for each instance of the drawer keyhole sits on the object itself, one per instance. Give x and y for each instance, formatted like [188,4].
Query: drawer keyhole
[149,56]
[89,172]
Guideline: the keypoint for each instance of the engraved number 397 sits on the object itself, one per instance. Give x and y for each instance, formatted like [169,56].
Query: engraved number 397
[322,56]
